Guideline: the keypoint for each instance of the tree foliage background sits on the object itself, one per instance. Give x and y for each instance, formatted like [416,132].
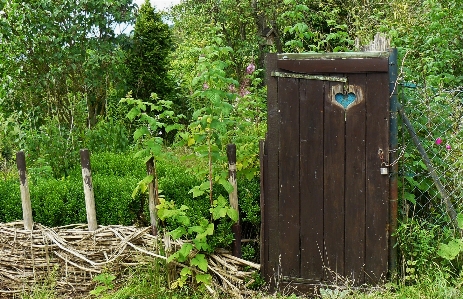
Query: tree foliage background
[64,66]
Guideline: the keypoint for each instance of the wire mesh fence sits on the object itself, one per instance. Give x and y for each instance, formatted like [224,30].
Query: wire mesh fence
[437,118]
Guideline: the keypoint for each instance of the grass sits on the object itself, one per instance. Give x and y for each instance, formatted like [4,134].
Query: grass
[150,281]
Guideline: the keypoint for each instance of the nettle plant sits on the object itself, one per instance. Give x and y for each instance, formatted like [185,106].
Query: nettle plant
[154,117]
[207,134]
[319,28]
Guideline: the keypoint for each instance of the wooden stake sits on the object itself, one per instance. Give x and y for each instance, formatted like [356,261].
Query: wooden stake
[233,196]
[153,195]
[88,189]
[25,195]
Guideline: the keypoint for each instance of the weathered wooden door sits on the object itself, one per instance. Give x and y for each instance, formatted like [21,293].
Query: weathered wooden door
[324,199]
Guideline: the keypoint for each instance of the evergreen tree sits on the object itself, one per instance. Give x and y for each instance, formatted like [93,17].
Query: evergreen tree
[148,57]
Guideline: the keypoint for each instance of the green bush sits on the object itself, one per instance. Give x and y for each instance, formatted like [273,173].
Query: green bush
[107,135]
[10,200]
[57,202]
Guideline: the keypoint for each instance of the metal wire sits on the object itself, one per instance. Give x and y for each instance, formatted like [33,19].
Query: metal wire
[437,117]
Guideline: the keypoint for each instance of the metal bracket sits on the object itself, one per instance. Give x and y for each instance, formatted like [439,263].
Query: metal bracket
[309,77]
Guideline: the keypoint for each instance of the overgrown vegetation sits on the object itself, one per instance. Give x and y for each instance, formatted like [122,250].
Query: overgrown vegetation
[198,85]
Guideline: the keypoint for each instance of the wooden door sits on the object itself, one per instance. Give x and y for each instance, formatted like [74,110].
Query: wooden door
[324,200]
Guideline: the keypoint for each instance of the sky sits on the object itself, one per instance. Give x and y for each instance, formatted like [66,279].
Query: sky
[159,4]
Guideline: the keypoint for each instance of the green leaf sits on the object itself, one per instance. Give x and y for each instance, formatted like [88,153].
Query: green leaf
[233,214]
[209,229]
[183,220]
[140,132]
[202,244]
[184,252]
[204,278]
[200,261]
[460,220]
[134,112]
[196,191]
[178,232]
[226,185]
[410,197]
[451,250]
[185,272]
[98,290]
[205,186]
[218,212]
[196,229]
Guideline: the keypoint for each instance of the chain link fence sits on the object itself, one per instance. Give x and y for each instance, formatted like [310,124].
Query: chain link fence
[437,118]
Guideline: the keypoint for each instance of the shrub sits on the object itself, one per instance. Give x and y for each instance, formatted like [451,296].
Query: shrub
[10,200]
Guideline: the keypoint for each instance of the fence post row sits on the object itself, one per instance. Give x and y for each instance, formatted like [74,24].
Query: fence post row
[233,197]
[153,193]
[25,195]
[88,189]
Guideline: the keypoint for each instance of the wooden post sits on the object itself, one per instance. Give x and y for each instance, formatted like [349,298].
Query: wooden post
[233,196]
[393,156]
[25,195]
[88,189]
[153,195]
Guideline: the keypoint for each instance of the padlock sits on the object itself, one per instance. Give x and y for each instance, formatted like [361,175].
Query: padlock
[384,170]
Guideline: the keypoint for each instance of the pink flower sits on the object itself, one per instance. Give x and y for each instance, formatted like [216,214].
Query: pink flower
[250,68]
[438,141]
[205,86]
[448,147]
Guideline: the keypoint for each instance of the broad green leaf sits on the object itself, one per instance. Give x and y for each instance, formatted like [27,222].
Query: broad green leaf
[209,229]
[196,191]
[200,261]
[205,186]
[191,141]
[134,112]
[226,184]
[451,250]
[204,278]
[218,212]
[410,197]
[201,244]
[147,179]
[183,220]
[233,214]
[172,257]
[178,232]
[185,272]
[140,132]
[184,252]
[196,229]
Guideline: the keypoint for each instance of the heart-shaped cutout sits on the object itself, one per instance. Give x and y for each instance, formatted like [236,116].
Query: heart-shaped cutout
[345,99]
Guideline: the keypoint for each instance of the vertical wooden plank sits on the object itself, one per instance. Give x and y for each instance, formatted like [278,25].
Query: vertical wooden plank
[355,183]
[271,196]
[333,184]
[311,178]
[377,185]
[288,97]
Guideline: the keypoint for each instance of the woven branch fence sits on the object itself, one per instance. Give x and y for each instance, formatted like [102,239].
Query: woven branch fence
[73,256]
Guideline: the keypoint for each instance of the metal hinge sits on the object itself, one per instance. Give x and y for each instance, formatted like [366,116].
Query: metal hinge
[309,77]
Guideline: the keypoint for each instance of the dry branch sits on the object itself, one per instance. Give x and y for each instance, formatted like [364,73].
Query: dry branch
[73,256]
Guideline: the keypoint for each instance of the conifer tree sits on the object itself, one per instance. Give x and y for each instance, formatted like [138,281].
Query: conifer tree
[148,57]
